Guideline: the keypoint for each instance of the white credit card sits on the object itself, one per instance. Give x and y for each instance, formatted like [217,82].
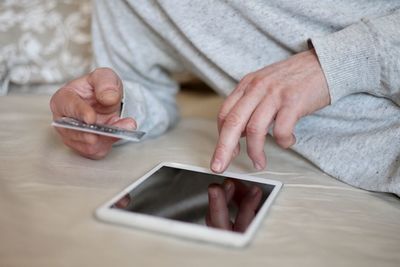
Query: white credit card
[100,129]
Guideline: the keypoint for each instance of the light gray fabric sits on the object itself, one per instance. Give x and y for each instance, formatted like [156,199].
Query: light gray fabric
[356,139]
[364,57]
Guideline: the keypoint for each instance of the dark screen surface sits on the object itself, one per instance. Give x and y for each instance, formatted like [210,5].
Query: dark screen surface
[195,197]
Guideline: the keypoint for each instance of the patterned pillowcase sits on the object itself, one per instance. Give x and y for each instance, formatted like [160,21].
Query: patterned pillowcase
[43,41]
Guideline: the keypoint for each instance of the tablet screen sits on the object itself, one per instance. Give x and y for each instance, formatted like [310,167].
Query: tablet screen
[194,197]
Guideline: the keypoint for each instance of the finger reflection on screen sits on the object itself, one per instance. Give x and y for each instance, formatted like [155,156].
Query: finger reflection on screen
[201,198]
[124,202]
[232,205]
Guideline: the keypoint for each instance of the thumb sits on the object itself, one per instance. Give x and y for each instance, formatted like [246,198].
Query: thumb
[125,123]
[107,86]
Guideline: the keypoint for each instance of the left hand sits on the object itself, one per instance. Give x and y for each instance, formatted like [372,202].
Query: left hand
[278,94]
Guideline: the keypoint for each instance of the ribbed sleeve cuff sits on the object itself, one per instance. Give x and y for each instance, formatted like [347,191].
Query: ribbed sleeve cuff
[133,104]
[152,115]
[132,107]
[349,61]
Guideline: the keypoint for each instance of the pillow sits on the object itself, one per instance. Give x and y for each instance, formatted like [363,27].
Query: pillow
[43,41]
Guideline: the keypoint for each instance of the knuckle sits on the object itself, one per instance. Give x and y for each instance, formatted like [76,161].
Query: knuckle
[275,91]
[289,96]
[233,120]
[225,108]
[222,115]
[254,129]
[223,111]
[253,90]
[246,79]
[221,149]
[256,84]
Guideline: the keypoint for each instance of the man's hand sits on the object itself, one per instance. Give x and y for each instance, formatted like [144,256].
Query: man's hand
[246,198]
[278,95]
[93,98]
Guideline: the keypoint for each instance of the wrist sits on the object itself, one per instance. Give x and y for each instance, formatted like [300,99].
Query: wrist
[348,60]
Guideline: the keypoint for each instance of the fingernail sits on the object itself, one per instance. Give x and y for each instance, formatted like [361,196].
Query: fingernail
[217,166]
[109,94]
[258,166]
[131,125]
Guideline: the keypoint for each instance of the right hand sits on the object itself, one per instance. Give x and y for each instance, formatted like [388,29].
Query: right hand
[93,98]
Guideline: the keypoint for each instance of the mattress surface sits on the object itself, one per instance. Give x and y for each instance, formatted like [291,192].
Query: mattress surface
[48,195]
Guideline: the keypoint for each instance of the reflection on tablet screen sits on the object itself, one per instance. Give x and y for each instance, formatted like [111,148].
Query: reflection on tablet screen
[194,197]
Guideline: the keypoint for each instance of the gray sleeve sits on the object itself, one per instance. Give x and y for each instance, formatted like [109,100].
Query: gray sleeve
[363,58]
[124,43]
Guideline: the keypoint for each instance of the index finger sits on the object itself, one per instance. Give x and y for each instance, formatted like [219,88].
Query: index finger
[218,212]
[248,208]
[67,103]
[232,99]
[232,128]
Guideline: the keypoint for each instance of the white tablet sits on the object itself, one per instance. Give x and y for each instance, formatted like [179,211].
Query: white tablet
[194,203]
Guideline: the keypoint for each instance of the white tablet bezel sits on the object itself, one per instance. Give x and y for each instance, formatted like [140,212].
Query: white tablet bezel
[185,229]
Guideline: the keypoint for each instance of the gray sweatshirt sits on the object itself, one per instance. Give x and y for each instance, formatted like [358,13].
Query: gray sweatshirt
[356,139]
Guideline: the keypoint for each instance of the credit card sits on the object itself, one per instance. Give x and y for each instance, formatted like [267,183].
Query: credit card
[100,129]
